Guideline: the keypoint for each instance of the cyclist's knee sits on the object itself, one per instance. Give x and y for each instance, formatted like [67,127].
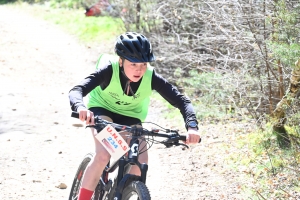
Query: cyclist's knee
[101,157]
[143,158]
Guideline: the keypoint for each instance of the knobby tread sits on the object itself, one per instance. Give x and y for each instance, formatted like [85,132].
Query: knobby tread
[137,187]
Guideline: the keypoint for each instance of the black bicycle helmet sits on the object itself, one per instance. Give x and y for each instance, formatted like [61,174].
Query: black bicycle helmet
[134,47]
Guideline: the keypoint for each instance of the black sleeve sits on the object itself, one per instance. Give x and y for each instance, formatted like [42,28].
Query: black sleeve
[174,97]
[100,77]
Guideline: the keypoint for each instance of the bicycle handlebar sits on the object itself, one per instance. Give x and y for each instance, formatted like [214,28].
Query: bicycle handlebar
[173,136]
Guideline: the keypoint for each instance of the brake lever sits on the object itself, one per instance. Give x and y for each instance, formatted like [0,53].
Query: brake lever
[167,144]
[89,126]
[98,127]
[181,144]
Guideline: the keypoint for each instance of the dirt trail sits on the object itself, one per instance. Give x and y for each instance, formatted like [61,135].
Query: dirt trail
[39,147]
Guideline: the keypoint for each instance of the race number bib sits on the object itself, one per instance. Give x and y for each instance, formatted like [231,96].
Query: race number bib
[112,142]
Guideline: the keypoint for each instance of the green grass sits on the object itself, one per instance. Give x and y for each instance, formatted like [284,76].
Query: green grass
[208,94]
[273,171]
[90,30]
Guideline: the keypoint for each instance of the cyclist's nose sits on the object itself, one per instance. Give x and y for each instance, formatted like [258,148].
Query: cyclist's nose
[139,67]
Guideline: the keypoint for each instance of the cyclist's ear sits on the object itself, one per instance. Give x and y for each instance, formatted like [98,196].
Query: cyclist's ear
[120,62]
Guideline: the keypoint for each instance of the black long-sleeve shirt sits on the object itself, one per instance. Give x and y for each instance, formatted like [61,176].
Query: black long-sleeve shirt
[102,77]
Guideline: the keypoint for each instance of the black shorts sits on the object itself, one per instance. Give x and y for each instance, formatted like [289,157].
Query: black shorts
[117,118]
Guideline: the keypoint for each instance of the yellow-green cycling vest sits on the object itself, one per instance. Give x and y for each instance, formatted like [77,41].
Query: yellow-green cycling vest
[112,97]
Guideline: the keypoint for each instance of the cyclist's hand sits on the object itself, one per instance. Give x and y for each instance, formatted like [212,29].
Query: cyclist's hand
[86,115]
[193,136]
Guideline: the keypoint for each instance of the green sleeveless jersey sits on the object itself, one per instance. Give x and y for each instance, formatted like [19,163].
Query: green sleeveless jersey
[112,97]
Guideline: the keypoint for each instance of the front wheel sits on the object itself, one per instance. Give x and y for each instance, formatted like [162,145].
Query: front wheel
[136,190]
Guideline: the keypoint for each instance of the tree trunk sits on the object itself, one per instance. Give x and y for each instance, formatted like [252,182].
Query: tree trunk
[281,86]
[279,113]
[138,15]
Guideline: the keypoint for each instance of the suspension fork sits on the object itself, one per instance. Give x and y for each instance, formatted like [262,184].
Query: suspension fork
[124,178]
[133,156]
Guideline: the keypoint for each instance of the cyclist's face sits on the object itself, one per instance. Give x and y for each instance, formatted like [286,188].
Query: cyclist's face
[134,71]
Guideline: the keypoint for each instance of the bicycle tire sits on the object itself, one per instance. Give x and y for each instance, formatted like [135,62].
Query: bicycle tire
[78,179]
[138,189]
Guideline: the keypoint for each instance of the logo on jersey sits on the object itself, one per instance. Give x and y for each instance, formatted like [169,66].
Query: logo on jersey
[123,103]
[114,95]
[137,95]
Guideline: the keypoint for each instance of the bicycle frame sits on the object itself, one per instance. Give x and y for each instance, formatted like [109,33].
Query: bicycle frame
[124,164]
[105,188]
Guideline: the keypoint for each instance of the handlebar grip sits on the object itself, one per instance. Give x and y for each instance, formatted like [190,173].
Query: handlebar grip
[183,137]
[75,114]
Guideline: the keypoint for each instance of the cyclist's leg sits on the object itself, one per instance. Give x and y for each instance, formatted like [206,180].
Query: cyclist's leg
[93,172]
[95,168]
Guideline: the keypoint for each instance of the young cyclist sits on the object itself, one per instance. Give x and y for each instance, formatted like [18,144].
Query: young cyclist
[119,91]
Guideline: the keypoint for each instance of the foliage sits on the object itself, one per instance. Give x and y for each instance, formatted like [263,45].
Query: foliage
[75,4]
[287,53]
[205,93]
[235,38]
[284,40]
[273,171]
[243,41]
[7,1]
[136,15]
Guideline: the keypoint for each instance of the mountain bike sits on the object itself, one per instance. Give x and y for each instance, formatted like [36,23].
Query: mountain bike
[124,186]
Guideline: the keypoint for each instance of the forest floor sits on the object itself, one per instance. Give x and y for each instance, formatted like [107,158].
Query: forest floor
[41,146]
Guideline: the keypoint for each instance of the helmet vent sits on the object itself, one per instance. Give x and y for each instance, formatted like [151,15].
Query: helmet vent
[134,47]
[129,36]
[128,47]
[137,46]
[140,40]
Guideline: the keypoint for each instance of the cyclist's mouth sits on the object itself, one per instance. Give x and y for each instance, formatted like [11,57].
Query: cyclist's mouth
[136,78]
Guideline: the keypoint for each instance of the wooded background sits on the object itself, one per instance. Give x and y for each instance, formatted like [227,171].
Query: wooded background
[243,51]
[238,61]
[236,56]
[232,57]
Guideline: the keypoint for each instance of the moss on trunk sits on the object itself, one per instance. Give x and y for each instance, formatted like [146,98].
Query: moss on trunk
[278,115]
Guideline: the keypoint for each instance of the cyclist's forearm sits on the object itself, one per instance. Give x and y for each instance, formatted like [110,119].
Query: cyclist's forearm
[76,99]
[188,113]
